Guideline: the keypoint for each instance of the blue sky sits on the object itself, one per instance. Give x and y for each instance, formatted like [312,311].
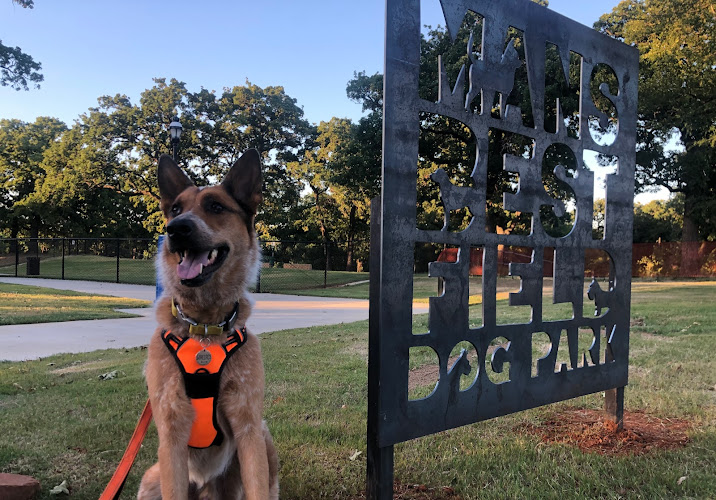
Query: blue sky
[92,48]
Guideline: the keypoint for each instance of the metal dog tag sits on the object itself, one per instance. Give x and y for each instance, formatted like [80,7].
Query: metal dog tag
[203,357]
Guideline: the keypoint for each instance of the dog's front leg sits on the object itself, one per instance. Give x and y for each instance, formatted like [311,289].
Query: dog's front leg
[253,460]
[173,467]
[173,416]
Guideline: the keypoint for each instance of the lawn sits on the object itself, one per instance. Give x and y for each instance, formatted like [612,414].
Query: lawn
[92,268]
[142,272]
[305,281]
[21,304]
[62,422]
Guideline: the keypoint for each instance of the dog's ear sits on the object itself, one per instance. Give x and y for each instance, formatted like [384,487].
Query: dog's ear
[172,181]
[244,181]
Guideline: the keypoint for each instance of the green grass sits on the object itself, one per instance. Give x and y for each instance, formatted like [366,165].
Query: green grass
[423,287]
[21,304]
[92,268]
[305,282]
[141,272]
[61,422]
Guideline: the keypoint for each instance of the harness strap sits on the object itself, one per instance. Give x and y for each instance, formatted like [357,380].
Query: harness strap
[201,381]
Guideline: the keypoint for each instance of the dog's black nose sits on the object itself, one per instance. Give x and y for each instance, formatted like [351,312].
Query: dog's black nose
[180,228]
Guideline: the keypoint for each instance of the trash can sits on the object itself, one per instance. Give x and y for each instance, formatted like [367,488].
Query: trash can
[33,266]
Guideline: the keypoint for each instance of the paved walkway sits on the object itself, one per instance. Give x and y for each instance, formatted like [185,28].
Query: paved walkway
[272,312]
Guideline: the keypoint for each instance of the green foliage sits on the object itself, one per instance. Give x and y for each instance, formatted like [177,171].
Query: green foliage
[223,126]
[313,169]
[340,168]
[653,221]
[662,262]
[677,85]
[16,67]
[22,149]
[367,90]
[103,168]
[658,220]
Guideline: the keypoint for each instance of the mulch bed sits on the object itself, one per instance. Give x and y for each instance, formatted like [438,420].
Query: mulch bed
[591,432]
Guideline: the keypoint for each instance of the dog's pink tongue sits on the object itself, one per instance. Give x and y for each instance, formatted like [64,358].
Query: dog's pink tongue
[191,266]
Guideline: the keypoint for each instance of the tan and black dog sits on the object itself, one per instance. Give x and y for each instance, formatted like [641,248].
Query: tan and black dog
[204,370]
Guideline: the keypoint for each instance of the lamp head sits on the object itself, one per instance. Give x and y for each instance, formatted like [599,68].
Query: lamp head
[175,129]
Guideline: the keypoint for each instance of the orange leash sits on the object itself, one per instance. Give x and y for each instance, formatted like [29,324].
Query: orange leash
[114,488]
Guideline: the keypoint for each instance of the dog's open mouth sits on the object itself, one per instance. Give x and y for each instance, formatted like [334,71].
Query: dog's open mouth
[196,266]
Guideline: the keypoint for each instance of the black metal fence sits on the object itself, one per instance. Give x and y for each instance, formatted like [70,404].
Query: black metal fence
[303,265]
[286,265]
[96,259]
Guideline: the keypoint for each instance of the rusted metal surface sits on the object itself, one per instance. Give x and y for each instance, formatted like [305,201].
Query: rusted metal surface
[531,382]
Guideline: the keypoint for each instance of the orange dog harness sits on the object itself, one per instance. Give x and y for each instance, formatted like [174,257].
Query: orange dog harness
[201,368]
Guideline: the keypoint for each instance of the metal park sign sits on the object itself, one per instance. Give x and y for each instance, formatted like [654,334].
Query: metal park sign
[477,98]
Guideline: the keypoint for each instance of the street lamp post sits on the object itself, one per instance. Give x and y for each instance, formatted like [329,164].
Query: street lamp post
[175,129]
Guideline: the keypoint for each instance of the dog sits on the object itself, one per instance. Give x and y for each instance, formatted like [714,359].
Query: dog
[602,298]
[213,443]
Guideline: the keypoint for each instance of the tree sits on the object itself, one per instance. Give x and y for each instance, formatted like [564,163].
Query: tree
[311,169]
[267,119]
[22,148]
[355,174]
[109,157]
[73,197]
[341,168]
[16,67]
[658,220]
[131,138]
[677,101]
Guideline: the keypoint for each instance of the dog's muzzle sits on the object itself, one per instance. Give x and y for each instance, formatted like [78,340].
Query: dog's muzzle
[197,260]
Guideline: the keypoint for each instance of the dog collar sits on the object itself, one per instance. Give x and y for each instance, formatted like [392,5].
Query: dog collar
[203,328]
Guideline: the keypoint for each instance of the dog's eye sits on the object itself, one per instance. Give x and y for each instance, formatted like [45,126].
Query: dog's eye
[216,207]
[176,210]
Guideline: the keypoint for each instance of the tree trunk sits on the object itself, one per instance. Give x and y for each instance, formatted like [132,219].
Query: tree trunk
[490,224]
[324,231]
[350,266]
[13,236]
[327,251]
[689,241]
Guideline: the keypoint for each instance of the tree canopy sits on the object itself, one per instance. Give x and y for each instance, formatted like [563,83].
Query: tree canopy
[677,100]
[22,150]
[18,69]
